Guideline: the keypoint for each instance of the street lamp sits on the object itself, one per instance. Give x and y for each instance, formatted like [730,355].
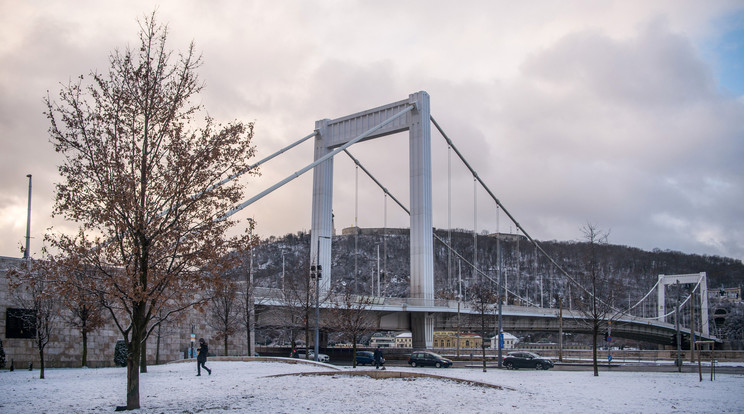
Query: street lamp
[28,221]
[316,272]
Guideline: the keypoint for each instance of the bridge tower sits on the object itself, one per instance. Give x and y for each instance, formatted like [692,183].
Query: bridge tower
[699,278]
[337,132]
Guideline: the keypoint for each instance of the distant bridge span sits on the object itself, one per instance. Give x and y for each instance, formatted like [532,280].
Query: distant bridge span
[395,314]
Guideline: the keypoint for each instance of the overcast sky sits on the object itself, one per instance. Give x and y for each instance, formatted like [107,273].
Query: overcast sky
[625,114]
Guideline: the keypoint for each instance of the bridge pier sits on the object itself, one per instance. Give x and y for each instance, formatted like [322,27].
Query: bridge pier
[422,330]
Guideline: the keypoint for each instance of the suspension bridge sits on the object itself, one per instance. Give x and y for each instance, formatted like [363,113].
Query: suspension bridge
[421,312]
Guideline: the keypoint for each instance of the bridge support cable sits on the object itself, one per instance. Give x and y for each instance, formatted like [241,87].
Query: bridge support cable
[645,297]
[449,247]
[511,217]
[681,305]
[320,160]
[269,158]
[245,170]
[226,180]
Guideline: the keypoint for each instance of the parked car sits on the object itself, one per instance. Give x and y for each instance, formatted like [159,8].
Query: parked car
[516,360]
[428,359]
[366,358]
[301,352]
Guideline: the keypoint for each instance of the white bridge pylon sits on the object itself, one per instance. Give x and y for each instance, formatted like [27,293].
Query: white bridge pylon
[699,279]
[412,114]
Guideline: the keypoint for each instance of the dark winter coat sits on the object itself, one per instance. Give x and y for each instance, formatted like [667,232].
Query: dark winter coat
[203,351]
[378,355]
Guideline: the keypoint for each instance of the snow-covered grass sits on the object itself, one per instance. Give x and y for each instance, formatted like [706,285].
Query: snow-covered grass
[238,386]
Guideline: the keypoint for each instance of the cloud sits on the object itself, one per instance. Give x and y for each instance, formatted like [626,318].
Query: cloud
[607,112]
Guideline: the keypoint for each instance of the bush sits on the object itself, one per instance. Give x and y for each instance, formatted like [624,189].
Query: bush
[121,352]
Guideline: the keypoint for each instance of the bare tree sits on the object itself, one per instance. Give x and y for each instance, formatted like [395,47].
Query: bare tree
[223,311]
[33,289]
[141,176]
[350,316]
[298,299]
[85,310]
[482,300]
[597,285]
[295,301]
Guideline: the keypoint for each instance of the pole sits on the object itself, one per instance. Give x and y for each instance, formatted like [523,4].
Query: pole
[317,302]
[356,232]
[501,300]
[317,314]
[678,361]
[459,299]
[378,270]
[28,221]
[475,230]
[449,217]
[560,329]
[692,326]
[249,299]
[283,280]
[318,275]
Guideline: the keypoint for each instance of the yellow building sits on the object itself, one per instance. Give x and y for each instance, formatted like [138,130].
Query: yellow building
[403,340]
[448,339]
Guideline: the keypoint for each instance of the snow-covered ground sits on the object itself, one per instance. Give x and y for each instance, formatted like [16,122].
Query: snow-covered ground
[249,387]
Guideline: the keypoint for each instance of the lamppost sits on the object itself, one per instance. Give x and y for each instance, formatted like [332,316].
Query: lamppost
[316,272]
[500,296]
[28,221]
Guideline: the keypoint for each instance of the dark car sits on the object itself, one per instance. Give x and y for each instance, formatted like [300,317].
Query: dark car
[367,358]
[428,359]
[516,360]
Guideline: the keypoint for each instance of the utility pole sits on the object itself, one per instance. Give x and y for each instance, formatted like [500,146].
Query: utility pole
[26,252]
[501,300]
[318,275]
[249,299]
[560,329]
[459,299]
[378,270]
[678,361]
[692,325]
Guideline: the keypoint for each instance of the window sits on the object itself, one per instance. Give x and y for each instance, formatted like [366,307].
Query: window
[20,323]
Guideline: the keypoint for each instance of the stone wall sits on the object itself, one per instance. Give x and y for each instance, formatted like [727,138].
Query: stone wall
[65,347]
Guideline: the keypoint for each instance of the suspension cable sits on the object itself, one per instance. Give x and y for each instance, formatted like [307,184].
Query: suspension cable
[511,217]
[319,161]
[451,249]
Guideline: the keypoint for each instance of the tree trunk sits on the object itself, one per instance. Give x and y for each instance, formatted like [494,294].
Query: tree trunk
[41,358]
[483,338]
[353,352]
[85,348]
[595,332]
[226,337]
[133,356]
[157,346]
[143,358]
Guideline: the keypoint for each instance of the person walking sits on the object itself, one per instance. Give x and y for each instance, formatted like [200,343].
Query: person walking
[379,360]
[201,357]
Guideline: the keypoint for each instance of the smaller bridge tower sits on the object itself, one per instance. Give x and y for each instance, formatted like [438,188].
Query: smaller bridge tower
[695,278]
